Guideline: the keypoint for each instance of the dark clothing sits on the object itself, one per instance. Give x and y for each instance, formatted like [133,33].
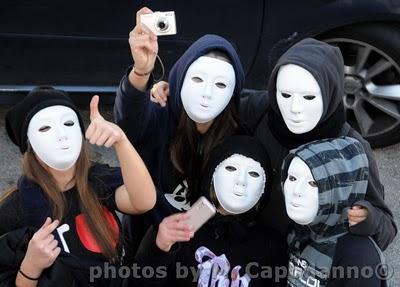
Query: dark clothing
[353,250]
[152,128]
[354,256]
[66,271]
[379,223]
[325,63]
[224,244]
[28,207]
[339,167]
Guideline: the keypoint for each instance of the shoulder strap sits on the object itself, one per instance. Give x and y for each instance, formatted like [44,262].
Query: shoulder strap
[388,282]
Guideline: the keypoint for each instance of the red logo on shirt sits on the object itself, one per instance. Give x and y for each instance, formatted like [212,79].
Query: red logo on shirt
[85,235]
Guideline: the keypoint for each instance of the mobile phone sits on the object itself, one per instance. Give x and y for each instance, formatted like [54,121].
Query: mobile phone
[200,212]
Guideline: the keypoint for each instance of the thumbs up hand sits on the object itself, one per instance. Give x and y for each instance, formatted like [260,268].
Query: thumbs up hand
[100,131]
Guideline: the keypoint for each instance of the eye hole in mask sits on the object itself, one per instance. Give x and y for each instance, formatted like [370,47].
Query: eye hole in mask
[220,85]
[309,97]
[313,183]
[44,129]
[197,79]
[285,95]
[69,123]
[254,174]
[230,168]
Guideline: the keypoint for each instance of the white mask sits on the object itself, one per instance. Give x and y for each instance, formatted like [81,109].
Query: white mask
[299,98]
[301,193]
[207,88]
[238,183]
[56,137]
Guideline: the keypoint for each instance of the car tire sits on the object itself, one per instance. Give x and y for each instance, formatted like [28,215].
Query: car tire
[372,79]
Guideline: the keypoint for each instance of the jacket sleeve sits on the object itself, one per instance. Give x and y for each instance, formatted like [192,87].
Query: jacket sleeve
[162,263]
[13,246]
[11,213]
[135,113]
[379,223]
[279,259]
[253,106]
[353,255]
[145,123]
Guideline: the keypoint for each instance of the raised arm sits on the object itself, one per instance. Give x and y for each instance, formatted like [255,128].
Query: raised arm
[132,109]
[138,193]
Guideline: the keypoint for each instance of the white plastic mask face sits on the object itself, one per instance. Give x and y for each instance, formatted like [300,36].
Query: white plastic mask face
[207,88]
[55,136]
[299,98]
[301,193]
[238,183]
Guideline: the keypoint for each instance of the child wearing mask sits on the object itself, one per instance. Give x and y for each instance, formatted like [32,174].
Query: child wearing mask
[231,249]
[60,220]
[321,180]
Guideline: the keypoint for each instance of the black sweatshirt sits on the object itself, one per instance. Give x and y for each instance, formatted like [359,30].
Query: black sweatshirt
[78,252]
[224,241]
[325,63]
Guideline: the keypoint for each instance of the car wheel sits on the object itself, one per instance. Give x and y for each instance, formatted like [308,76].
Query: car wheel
[372,79]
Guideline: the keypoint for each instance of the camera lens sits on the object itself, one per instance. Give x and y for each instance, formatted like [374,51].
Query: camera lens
[162,24]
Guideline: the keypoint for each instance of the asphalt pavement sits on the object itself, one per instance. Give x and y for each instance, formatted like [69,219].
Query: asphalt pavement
[388,160]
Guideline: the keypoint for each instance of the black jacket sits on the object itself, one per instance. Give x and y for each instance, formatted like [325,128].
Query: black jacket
[224,241]
[325,63]
[66,271]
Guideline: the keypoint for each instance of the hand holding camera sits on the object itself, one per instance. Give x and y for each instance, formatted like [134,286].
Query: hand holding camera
[160,23]
[144,45]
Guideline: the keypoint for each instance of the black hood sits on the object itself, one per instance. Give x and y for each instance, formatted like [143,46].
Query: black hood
[325,63]
[199,48]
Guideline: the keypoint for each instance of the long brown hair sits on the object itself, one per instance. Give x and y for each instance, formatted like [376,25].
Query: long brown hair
[190,150]
[89,203]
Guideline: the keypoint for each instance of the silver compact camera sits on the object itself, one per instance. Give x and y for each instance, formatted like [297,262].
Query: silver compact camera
[160,23]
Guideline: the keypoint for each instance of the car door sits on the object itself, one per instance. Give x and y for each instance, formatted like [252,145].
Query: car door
[84,43]
[64,42]
[238,21]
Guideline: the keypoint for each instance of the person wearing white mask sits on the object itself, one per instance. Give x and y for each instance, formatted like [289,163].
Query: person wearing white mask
[64,204]
[305,104]
[299,98]
[175,139]
[231,249]
[321,180]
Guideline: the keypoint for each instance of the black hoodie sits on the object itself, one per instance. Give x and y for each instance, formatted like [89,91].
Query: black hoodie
[151,129]
[325,63]
[233,242]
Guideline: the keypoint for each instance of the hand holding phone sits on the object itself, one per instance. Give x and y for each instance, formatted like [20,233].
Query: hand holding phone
[200,212]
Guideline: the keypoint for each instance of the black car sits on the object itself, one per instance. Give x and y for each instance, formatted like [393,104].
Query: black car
[82,45]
